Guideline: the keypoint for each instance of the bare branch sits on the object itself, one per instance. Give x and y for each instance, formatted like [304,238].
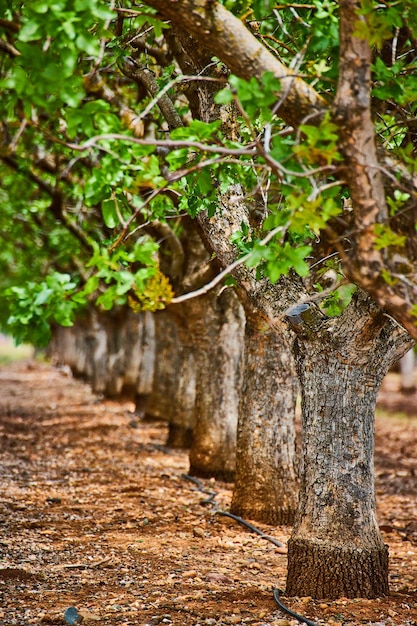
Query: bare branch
[143,75]
[227,270]
[7,47]
[166,143]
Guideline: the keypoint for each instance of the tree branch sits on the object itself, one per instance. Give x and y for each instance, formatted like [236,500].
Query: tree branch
[226,36]
[144,76]
[7,47]
[57,202]
[367,263]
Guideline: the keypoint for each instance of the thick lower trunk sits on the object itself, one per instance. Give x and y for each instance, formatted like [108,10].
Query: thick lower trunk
[338,502]
[266,483]
[64,348]
[219,327]
[95,346]
[172,397]
[114,324]
[333,571]
[183,416]
[336,548]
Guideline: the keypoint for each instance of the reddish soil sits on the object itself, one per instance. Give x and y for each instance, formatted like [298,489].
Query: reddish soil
[95,514]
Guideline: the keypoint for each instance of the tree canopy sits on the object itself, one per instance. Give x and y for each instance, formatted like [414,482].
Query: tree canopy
[103,149]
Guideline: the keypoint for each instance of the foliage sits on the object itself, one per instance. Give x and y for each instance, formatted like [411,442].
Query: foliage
[86,167]
[33,306]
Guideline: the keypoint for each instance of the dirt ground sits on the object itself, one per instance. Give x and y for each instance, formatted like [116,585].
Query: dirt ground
[95,515]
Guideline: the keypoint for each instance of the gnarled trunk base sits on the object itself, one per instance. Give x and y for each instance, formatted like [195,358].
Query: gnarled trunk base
[345,571]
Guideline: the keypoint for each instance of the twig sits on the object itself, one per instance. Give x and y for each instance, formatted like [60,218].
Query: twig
[165,143]
[217,279]
[82,565]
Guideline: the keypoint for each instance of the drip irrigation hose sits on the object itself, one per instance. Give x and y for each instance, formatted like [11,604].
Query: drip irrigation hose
[288,611]
[211,500]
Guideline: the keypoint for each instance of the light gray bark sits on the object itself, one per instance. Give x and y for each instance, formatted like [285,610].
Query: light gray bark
[408,372]
[63,349]
[114,351]
[336,548]
[218,326]
[266,484]
[159,403]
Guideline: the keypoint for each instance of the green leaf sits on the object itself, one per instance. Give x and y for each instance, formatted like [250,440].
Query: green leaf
[386,237]
[204,182]
[224,96]
[29,31]
[109,212]
[87,44]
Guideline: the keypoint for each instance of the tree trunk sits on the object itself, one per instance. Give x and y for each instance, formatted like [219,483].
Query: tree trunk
[336,533]
[218,326]
[266,484]
[64,347]
[209,330]
[159,404]
[407,369]
[114,323]
[146,347]
[94,344]
[183,416]
[336,548]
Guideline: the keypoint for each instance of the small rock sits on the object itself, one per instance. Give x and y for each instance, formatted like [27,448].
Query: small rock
[198,532]
[71,616]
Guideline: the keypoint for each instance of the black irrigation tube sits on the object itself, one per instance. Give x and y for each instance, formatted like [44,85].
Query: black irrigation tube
[288,611]
[211,500]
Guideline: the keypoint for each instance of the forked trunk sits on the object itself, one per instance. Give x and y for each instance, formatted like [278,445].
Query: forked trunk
[266,483]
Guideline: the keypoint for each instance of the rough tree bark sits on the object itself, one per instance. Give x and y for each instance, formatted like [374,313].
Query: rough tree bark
[159,403]
[217,324]
[336,548]
[266,483]
[345,555]
[93,344]
[340,362]
[182,416]
[210,341]
[63,349]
